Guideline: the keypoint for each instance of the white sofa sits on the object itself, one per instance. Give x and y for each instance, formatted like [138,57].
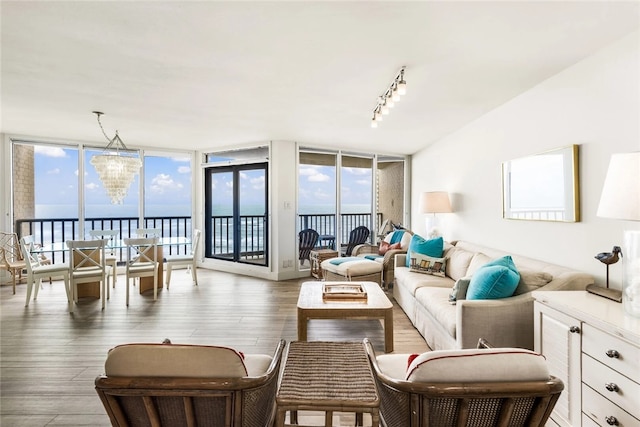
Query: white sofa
[506,322]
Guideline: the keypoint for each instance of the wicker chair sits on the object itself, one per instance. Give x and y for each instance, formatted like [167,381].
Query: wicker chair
[198,395]
[464,402]
[388,261]
[11,258]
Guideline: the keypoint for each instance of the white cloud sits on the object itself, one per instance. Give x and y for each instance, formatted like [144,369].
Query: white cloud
[243,175]
[357,171]
[181,159]
[92,186]
[257,183]
[319,177]
[229,184]
[308,171]
[54,171]
[184,169]
[49,151]
[363,182]
[163,182]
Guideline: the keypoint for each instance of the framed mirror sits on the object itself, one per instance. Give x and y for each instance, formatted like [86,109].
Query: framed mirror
[542,187]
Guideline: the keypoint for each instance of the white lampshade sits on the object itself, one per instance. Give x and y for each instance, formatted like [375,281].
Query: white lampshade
[620,196]
[435,202]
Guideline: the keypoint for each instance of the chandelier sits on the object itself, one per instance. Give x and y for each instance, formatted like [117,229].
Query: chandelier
[116,166]
[388,99]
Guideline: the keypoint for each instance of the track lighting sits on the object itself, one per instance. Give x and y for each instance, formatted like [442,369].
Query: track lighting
[388,99]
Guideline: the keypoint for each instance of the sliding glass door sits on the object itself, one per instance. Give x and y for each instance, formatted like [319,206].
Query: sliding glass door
[236,213]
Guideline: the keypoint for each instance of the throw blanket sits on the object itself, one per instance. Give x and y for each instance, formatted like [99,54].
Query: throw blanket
[338,261]
[397,236]
[373,257]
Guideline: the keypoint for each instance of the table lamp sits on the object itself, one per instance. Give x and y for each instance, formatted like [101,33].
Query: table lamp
[434,202]
[620,199]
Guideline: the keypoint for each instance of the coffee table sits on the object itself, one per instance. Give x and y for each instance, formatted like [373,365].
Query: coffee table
[327,376]
[376,306]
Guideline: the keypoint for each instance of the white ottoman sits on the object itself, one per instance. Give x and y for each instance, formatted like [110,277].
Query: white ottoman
[352,268]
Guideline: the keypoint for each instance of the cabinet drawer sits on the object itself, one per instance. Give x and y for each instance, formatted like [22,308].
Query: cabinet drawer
[587,422]
[598,344]
[597,375]
[598,409]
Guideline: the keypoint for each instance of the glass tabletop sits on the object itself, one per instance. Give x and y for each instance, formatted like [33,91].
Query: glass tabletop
[113,244]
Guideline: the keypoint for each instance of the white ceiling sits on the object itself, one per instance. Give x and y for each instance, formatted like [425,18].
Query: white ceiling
[200,75]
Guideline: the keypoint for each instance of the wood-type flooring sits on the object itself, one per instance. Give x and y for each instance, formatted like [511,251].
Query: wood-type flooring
[49,358]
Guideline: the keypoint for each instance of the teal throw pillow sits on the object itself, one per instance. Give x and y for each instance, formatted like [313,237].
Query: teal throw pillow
[420,245]
[496,279]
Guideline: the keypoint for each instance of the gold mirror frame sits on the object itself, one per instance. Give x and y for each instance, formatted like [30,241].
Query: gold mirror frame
[542,187]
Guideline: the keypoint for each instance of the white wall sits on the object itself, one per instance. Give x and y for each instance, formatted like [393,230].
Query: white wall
[596,104]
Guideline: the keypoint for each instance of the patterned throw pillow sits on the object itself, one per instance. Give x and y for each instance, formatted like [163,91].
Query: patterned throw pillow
[428,265]
[386,246]
[421,246]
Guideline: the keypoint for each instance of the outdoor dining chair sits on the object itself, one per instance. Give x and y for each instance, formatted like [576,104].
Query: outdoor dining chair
[86,265]
[181,260]
[37,270]
[142,261]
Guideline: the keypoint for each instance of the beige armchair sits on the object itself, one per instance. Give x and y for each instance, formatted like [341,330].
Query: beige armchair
[480,387]
[387,260]
[152,385]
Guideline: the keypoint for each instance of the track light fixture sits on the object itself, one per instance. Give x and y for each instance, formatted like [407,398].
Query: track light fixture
[388,99]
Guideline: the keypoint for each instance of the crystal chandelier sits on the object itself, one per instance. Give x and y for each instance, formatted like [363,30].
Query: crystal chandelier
[116,166]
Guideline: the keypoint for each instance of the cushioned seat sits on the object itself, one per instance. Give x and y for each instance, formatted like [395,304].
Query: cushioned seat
[352,268]
[175,385]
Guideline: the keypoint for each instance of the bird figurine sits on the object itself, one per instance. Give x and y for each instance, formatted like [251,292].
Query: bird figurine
[609,258]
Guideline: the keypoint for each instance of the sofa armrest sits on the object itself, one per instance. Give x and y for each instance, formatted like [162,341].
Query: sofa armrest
[506,322]
[364,249]
[400,260]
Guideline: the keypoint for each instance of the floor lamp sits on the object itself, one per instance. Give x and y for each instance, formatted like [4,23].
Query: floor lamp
[620,199]
[434,202]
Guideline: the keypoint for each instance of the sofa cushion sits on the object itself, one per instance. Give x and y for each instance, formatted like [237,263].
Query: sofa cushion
[436,302]
[531,280]
[478,260]
[457,262]
[496,279]
[428,265]
[478,365]
[412,281]
[420,245]
[351,266]
[459,291]
[168,360]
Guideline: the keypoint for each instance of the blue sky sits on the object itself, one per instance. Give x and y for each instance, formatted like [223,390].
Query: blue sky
[168,186]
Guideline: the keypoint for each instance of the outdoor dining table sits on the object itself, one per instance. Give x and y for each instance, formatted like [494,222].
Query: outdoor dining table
[146,283]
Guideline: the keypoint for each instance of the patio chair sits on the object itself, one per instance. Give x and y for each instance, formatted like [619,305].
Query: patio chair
[86,265]
[307,240]
[11,258]
[37,270]
[142,261]
[358,236]
[482,387]
[151,385]
[189,259]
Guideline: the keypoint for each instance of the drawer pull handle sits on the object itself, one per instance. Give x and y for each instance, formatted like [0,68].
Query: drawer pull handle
[613,354]
[612,421]
[574,329]
[611,386]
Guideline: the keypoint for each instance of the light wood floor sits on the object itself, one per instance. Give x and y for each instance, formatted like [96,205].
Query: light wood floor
[50,358]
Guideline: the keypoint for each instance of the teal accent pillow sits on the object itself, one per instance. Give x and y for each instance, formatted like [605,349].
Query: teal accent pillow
[496,279]
[419,245]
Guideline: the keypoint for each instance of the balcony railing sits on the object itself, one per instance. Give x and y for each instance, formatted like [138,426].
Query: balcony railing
[48,230]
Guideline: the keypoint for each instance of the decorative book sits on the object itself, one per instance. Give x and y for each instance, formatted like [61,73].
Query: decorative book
[344,291]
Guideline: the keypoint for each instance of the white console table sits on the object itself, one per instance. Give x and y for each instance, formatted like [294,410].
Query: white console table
[594,347]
